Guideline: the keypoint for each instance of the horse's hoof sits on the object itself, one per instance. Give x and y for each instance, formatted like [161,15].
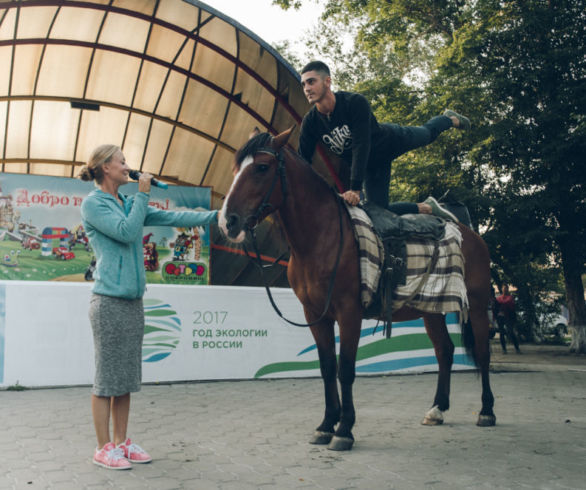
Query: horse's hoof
[486,421]
[321,437]
[341,443]
[433,417]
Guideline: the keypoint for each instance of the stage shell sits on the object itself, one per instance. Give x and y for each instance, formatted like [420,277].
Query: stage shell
[177,84]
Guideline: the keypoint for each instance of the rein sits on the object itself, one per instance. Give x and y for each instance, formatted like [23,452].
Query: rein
[251,230]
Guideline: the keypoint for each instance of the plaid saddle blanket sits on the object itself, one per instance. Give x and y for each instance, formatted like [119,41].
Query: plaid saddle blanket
[433,284]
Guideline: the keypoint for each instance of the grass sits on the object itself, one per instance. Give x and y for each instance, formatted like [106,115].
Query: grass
[32,266]
[16,387]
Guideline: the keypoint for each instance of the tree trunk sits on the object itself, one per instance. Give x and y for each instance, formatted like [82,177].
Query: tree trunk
[572,268]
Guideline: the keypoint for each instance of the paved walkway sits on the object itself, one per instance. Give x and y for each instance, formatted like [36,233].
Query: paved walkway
[252,434]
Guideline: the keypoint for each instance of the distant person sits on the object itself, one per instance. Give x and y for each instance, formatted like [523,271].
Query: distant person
[344,123]
[114,225]
[505,318]
[492,311]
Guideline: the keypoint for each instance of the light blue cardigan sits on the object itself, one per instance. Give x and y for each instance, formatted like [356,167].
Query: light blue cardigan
[115,235]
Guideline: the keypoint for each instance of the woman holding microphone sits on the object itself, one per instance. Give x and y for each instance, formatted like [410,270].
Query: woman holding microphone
[114,225]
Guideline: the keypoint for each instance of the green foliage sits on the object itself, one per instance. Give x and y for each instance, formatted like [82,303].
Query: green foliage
[287,4]
[528,59]
[285,49]
[16,387]
[517,69]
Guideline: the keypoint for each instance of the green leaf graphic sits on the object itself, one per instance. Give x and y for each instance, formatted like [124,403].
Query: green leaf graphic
[160,313]
[278,367]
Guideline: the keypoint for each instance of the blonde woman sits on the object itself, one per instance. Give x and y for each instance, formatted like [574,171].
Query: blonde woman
[114,225]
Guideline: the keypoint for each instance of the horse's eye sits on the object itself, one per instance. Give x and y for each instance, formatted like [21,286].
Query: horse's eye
[262,168]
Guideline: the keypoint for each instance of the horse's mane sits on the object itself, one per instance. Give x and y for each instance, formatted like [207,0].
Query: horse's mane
[251,147]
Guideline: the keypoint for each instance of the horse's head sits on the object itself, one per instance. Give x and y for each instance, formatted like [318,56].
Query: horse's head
[259,186]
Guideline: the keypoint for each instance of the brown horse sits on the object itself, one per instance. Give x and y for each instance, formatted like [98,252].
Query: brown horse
[270,177]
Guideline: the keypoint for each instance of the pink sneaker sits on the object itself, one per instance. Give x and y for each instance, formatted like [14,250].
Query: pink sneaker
[134,453]
[111,457]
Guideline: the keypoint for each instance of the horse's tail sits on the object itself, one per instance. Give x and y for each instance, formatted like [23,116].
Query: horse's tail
[468,341]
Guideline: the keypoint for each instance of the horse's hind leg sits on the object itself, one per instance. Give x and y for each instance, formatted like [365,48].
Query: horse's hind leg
[323,334]
[436,328]
[475,332]
[480,328]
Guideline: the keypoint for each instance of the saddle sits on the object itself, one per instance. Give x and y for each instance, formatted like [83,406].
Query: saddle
[393,232]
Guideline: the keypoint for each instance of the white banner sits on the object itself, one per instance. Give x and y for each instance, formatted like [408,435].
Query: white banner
[191,333]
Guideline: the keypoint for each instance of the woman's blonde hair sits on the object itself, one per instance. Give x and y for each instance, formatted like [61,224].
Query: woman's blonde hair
[93,169]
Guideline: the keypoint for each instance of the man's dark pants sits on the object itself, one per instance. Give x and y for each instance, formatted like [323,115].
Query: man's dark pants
[401,139]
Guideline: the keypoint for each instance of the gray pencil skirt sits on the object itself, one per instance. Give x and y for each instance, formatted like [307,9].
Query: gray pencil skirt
[118,328]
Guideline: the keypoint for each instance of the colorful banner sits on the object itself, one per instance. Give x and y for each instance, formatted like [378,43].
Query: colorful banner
[42,238]
[195,333]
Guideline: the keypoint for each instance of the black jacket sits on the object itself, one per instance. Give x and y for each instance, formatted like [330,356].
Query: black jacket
[351,131]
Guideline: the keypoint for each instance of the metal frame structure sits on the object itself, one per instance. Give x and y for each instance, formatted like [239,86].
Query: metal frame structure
[175,83]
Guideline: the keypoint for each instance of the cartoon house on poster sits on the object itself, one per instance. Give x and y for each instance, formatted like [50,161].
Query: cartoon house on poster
[8,216]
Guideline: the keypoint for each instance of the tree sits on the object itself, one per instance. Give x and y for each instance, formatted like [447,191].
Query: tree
[529,59]
[518,69]
[285,49]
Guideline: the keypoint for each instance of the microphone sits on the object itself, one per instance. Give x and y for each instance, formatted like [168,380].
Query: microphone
[135,175]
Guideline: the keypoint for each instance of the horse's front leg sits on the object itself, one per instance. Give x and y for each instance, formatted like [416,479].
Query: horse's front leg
[436,328]
[323,334]
[349,324]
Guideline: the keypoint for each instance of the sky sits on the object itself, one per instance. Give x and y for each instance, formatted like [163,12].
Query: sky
[269,22]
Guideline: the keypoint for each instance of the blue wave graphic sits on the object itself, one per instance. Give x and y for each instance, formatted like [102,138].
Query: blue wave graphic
[171,322]
[155,306]
[397,364]
[450,319]
[157,357]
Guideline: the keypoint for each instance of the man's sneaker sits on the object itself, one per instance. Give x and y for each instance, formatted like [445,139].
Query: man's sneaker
[111,457]
[463,120]
[439,210]
[134,453]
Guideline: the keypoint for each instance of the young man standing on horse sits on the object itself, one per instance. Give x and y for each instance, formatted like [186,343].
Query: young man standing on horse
[344,123]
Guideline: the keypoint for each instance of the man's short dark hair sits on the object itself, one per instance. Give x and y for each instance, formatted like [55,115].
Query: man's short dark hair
[319,66]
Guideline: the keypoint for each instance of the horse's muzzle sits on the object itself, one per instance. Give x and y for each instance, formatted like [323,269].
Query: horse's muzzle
[234,227]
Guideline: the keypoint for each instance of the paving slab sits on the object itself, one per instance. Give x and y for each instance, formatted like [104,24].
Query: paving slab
[253,434]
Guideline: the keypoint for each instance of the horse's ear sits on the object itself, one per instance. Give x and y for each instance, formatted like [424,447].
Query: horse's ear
[281,139]
[254,132]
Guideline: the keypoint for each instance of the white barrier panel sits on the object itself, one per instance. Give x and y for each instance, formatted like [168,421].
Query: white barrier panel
[191,333]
